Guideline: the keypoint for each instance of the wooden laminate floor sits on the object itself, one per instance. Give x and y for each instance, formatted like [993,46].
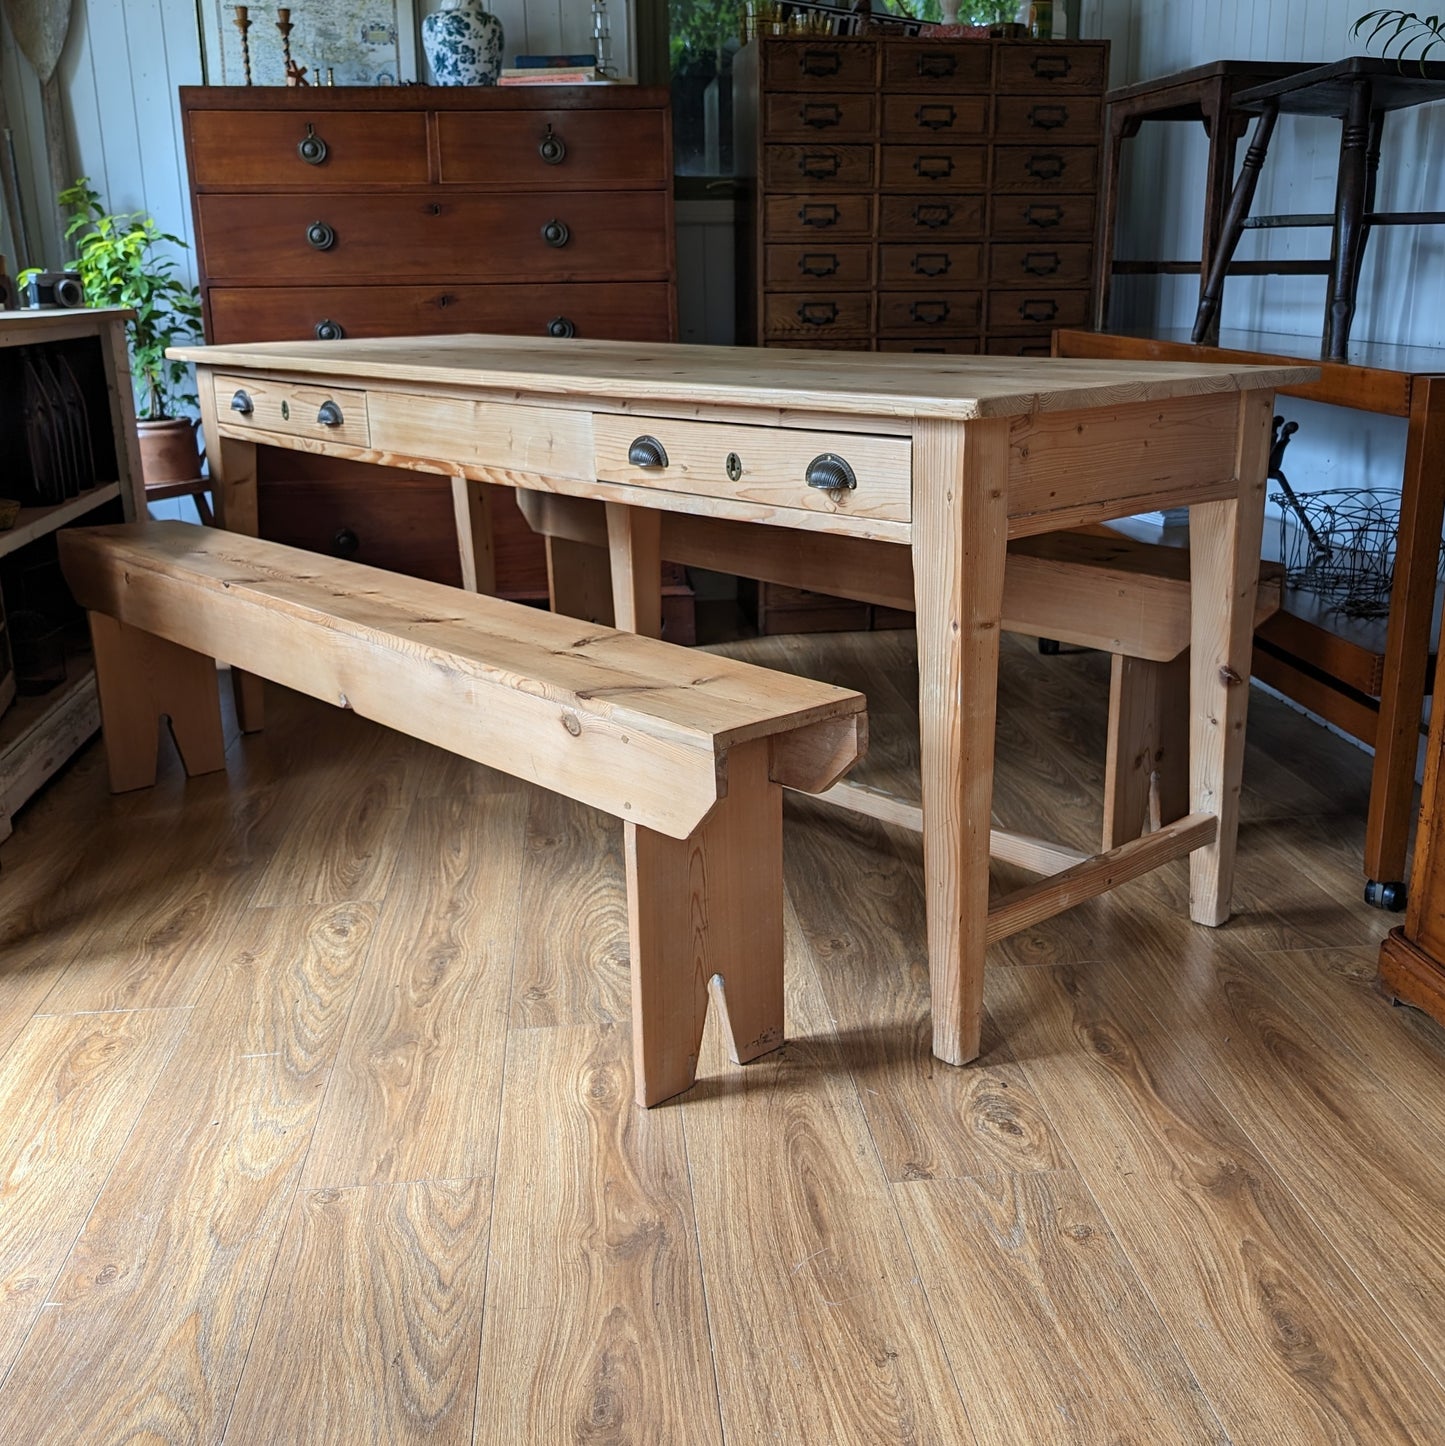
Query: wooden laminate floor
[316,1122]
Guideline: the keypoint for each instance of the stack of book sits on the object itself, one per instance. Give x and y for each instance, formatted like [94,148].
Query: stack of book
[553,70]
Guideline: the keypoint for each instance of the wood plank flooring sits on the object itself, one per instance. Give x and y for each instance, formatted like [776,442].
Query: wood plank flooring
[316,1120]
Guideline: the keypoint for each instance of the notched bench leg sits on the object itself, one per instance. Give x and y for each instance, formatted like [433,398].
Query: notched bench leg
[141,679]
[1146,773]
[709,905]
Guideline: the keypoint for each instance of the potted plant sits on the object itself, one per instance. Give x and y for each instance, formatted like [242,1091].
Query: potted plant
[120,263]
[1402,29]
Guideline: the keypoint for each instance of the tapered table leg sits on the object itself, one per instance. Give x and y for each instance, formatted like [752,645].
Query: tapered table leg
[960,534]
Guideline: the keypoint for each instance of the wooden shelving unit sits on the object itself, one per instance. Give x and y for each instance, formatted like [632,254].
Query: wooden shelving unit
[39,734]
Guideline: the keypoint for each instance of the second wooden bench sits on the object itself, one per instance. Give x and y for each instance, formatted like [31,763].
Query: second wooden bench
[690,750]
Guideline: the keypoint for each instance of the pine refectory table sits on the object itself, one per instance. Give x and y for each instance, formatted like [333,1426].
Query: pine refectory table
[944,457]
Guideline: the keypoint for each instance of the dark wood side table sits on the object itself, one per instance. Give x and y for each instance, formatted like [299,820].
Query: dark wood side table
[1373,689]
[1202,96]
[1359,92]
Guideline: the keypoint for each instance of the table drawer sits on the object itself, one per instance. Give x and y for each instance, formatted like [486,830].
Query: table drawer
[817,216]
[808,265]
[932,313]
[930,218]
[294,409]
[1069,117]
[924,117]
[1050,67]
[819,162]
[930,266]
[616,235]
[817,315]
[917,66]
[1010,311]
[763,465]
[269,150]
[805,115]
[934,167]
[1043,169]
[935,345]
[1039,343]
[1058,217]
[822,65]
[622,311]
[553,149]
[1027,264]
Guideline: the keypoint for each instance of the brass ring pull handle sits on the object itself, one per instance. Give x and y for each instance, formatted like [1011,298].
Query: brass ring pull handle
[555,233]
[937,65]
[561,326]
[311,148]
[647,452]
[553,149]
[820,62]
[328,330]
[936,117]
[329,414]
[321,236]
[1048,117]
[818,313]
[1042,263]
[830,473]
[243,404]
[345,543]
[1047,167]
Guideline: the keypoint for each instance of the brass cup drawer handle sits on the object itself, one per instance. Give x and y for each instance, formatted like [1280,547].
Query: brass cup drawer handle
[831,473]
[241,402]
[647,451]
[329,415]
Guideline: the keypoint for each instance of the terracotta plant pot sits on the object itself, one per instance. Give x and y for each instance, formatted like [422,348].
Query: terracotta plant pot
[168,451]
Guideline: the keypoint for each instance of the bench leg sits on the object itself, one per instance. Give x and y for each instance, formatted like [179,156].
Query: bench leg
[702,907]
[1146,772]
[142,679]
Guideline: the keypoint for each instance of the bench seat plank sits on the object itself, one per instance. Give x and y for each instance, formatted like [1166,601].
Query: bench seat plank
[626,723]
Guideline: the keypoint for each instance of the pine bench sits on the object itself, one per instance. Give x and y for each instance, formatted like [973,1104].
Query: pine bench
[690,750]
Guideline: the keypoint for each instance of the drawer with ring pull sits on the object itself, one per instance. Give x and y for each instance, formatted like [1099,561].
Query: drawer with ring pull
[256,149]
[552,149]
[860,475]
[294,409]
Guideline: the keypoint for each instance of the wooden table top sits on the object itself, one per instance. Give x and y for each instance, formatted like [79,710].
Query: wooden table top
[852,384]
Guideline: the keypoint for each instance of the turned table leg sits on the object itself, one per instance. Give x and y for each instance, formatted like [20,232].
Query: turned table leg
[1351,188]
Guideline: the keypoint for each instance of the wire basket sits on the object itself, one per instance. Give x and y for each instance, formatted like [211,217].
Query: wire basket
[1340,545]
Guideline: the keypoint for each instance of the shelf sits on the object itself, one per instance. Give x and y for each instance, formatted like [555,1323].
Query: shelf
[38,735]
[35,522]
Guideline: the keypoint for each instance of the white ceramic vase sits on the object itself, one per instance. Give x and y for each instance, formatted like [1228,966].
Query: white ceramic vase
[463,43]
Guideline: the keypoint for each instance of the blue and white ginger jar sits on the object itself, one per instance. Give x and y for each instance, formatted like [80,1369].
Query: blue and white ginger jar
[463,43]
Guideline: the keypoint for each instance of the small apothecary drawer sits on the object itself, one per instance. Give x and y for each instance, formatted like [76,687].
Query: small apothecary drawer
[1044,168]
[924,313]
[765,466]
[822,65]
[818,216]
[1010,311]
[291,150]
[916,65]
[931,266]
[795,265]
[817,315]
[801,116]
[926,117]
[1035,261]
[1050,68]
[923,218]
[293,409]
[1030,216]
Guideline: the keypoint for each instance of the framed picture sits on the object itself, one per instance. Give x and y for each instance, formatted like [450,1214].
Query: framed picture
[361,42]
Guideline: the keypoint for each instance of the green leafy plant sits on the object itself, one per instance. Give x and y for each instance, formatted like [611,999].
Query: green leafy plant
[1402,29]
[121,263]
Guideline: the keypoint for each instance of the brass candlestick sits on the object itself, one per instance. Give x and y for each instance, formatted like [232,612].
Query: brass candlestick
[243,24]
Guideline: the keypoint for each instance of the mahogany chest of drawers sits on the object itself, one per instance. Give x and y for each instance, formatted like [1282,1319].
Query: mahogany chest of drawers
[916,194]
[398,211]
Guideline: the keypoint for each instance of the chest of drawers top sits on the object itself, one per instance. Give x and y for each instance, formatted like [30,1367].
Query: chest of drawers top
[551,138]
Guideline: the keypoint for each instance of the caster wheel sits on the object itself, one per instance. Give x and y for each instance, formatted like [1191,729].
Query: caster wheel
[1049,647]
[1390,897]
